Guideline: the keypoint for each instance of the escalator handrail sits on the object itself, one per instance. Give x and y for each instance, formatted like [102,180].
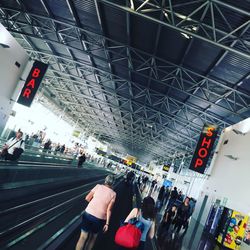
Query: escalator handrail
[44,198]
[42,225]
[32,163]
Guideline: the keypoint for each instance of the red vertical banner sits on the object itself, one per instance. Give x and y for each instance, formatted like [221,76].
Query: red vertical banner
[32,83]
[204,148]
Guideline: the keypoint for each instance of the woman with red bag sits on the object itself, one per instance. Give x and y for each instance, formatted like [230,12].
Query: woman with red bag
[146,216]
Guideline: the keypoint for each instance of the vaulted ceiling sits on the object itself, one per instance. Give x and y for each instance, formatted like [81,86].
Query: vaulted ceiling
[144,75]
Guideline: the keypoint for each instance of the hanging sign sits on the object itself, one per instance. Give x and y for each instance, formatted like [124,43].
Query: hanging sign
[204,148]
[166,168]
[76,133]
[32,83]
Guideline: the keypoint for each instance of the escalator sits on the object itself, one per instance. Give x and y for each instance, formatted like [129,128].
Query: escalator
[32,214]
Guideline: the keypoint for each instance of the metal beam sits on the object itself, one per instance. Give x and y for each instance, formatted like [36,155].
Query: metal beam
[192,72]
[94,70]
[98,126]
[219,83]
[178,89]
[181,30]
[108,91]
[176,100]
[86,97]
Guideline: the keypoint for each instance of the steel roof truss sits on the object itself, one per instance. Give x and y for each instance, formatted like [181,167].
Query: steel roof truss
[212,33]
[177,88]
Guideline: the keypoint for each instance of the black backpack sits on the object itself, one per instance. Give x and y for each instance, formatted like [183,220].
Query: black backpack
[17,152]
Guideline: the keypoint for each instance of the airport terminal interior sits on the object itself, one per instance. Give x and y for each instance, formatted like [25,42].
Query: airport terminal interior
[124,124]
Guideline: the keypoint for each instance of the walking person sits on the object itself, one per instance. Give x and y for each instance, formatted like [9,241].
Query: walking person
[144,183]
[139,181]
[81,159]
[47,146]
[153,183]
[145,215]
[173,197]
[57,148]
[62,149]
[160,198]
[166,196]
[130,177]
[180,196]
[96,217]
[182,216]
[166,222]
[13,148]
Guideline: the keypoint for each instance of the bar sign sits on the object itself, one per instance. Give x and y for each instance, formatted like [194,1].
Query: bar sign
[32,83]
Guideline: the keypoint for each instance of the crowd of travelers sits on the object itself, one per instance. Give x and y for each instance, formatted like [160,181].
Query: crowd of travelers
[141,223]
[39,140]
[18,141]
[15,146]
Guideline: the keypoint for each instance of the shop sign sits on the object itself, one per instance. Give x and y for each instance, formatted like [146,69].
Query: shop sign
[32,83]
[166,168]
[204,148]
[76,133]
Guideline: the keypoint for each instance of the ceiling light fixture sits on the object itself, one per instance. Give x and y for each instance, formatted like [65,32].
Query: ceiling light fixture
[149,125]
[232,157]
[165,14]
[186,35]
[132,6]
[191,28]
[238,132]
[5,46]
[183,17]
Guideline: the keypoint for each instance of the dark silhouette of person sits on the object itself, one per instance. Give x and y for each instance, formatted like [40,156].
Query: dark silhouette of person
[81,159]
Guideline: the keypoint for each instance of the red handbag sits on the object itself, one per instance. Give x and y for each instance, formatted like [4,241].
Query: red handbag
[128,236]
